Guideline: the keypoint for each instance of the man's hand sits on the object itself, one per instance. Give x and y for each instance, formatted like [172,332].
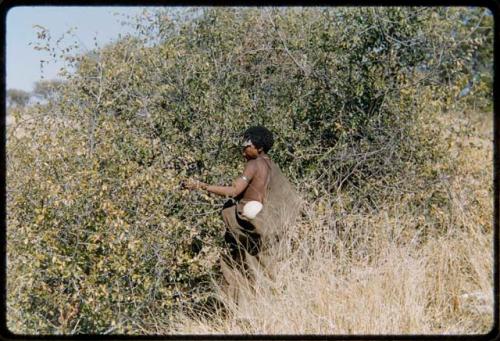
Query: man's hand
[195,184]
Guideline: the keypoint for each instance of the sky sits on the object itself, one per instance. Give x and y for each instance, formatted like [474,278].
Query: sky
[23,62]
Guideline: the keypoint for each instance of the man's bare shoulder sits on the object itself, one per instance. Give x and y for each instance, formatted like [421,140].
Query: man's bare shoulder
[251,167]
[258,166]
[258,162]
[252,163]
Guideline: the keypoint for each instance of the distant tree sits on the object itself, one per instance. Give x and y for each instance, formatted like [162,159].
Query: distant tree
[47,89]
[17,97]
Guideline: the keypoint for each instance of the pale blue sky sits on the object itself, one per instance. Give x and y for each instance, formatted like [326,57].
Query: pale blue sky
[23,62]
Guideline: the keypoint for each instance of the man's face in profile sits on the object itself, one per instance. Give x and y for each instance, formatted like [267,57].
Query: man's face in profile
[249,151]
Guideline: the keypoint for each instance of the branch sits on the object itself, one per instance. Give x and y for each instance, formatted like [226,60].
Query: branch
[306,71]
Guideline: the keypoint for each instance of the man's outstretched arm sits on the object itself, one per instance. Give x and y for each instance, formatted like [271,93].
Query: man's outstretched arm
[238,186]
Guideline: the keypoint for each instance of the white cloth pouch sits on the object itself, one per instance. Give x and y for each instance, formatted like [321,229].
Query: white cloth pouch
[251,209]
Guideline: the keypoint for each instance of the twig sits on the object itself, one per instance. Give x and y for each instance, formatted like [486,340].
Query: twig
[304,70]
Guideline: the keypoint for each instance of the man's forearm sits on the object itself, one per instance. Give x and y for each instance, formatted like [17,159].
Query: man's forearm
[227,191]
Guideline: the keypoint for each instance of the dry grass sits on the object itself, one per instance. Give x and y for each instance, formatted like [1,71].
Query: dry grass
[338,272]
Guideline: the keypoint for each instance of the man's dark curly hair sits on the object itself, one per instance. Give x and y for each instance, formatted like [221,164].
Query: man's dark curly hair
[260,136]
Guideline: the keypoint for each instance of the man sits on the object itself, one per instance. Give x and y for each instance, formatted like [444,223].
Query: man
[263,201]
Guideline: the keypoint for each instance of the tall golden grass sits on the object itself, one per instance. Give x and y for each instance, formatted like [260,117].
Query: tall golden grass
[381,273]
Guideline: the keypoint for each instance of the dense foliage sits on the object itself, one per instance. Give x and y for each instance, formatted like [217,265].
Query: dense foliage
[100,236]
